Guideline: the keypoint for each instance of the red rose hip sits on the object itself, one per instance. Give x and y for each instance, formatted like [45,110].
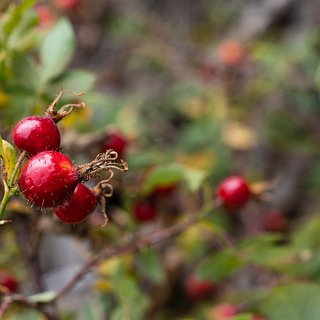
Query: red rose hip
[115,141]
[67,5]
[144,211]
[81,204]
[224,311]
[234,192]
[9,281]
[198,289]
[48,179]
[35,134]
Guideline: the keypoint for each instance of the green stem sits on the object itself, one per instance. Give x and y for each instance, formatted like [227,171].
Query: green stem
[9,189]
[5,199]
[16,168]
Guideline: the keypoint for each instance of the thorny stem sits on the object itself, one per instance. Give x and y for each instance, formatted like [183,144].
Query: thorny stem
[9,189]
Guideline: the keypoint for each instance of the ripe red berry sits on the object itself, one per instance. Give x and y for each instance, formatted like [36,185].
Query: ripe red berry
[45,16]
[234,192]
[274,221]
[67,5]
[223,311]
[81,204]
[9,281]
[198,289]
[116,141]
[35,134]
[144,211]
[48,179]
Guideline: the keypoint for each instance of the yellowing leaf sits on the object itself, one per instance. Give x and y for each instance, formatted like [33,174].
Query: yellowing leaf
[204,160]
[4,99]
[109,266]
[77,116]
[238,136]
[9,158]
[194,108]
[103,285]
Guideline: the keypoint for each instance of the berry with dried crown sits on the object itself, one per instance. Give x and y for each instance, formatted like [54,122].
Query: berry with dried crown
[48,179]
[36,134]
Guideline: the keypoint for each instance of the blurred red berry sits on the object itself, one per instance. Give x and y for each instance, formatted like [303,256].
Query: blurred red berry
[116,141]
[231,52]
[234,192]
[45,16]
[275,221]
[164,191]
[223,311]
[67,5]
[198,289]
[144,211]
[9,281]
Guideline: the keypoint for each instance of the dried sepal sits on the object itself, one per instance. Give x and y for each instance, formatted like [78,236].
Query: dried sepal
[65,110]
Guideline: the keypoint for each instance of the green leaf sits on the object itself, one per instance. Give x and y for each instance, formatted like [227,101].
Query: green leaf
[12,19]
[75,80]
[173,173]
[264,250]
[164,175]
[295,302]
[242,317]
[151,265]
[9,158]
[26,72]
[43,297]
[57,50]
[219,266]
[194,178]
[132,301]
[307,235]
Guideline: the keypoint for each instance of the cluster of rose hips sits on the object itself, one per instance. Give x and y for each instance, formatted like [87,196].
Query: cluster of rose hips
[49,179]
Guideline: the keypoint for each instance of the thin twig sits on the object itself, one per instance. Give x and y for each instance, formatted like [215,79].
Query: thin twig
[139,242]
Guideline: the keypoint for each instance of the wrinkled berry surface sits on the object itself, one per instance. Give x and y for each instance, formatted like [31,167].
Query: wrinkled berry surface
[35,134]
[234,192]
[48,179]
[81,204]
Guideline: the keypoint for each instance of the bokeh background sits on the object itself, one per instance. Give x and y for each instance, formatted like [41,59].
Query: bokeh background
[189,92]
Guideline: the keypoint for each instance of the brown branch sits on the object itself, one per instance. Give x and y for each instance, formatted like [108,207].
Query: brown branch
[133,243]
[128,246]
